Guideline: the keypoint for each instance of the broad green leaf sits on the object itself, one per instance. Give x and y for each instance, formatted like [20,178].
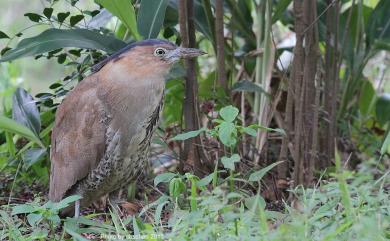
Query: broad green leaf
[258,175]
[33,17]
[229,113]
[3,35]
[201,20]
[48,12]
[157,213]
[249,86]
[382,108]
[124,10]
[64,202]
[12,126]
[367,97]
[378,26]
[23,208]
[164,177]
[176,187]
[25,111]
[242,20]
[187,135]
[38,234]
[205,181]
[234,195]
[151,17]
[74,234]
[54,218]
[53,39]
[75,19]
[228,162]
[33,155]
[62,16]
[34,218]
[160,200]
[353,27]
[383,44]
[72,223]
[255,126]
[255,202]
[10,144]
[386,144]
[250,131]
[227,133]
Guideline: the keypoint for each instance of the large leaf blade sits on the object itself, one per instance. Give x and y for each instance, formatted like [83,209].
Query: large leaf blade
[227,133]
[25,111]
[367,98]
[378,26]
[53,39]
[382,108]
[151,17]
[228,162]
[12,126]
[248,86]
[123,10]
[33,155]
[258,175]
[386,144]
[229,113]
[187,135]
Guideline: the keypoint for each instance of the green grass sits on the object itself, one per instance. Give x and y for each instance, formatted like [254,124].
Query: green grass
[351,206]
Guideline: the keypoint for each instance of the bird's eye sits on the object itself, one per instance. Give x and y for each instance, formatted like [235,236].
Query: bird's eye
[160,52]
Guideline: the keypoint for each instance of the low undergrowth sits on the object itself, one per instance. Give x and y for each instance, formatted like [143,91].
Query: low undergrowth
[346,206]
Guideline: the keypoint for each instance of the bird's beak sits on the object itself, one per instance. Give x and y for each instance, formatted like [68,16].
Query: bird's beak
[190,52]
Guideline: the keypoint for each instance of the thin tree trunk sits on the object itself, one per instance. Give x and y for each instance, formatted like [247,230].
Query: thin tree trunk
[288,127]
[336,69]
[310,70]
[304,72]
[182,10]
[190,154]
[314,140]
[297,79]
[331,82]
[220,40]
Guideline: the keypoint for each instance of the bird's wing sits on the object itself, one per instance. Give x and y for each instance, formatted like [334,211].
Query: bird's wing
[78,138]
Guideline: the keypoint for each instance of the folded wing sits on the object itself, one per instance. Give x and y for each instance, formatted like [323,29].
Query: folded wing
[78,138]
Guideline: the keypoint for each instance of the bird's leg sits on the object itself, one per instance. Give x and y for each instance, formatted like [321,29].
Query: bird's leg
[114,200]
[77,209]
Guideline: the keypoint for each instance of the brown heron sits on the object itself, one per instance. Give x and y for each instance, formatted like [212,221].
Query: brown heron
[103,128]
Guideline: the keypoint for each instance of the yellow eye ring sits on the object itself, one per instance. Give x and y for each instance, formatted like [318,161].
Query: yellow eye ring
[160,52]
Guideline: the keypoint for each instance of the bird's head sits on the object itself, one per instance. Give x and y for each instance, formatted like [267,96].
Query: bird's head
[166,52]
[151,53]
[148,56]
